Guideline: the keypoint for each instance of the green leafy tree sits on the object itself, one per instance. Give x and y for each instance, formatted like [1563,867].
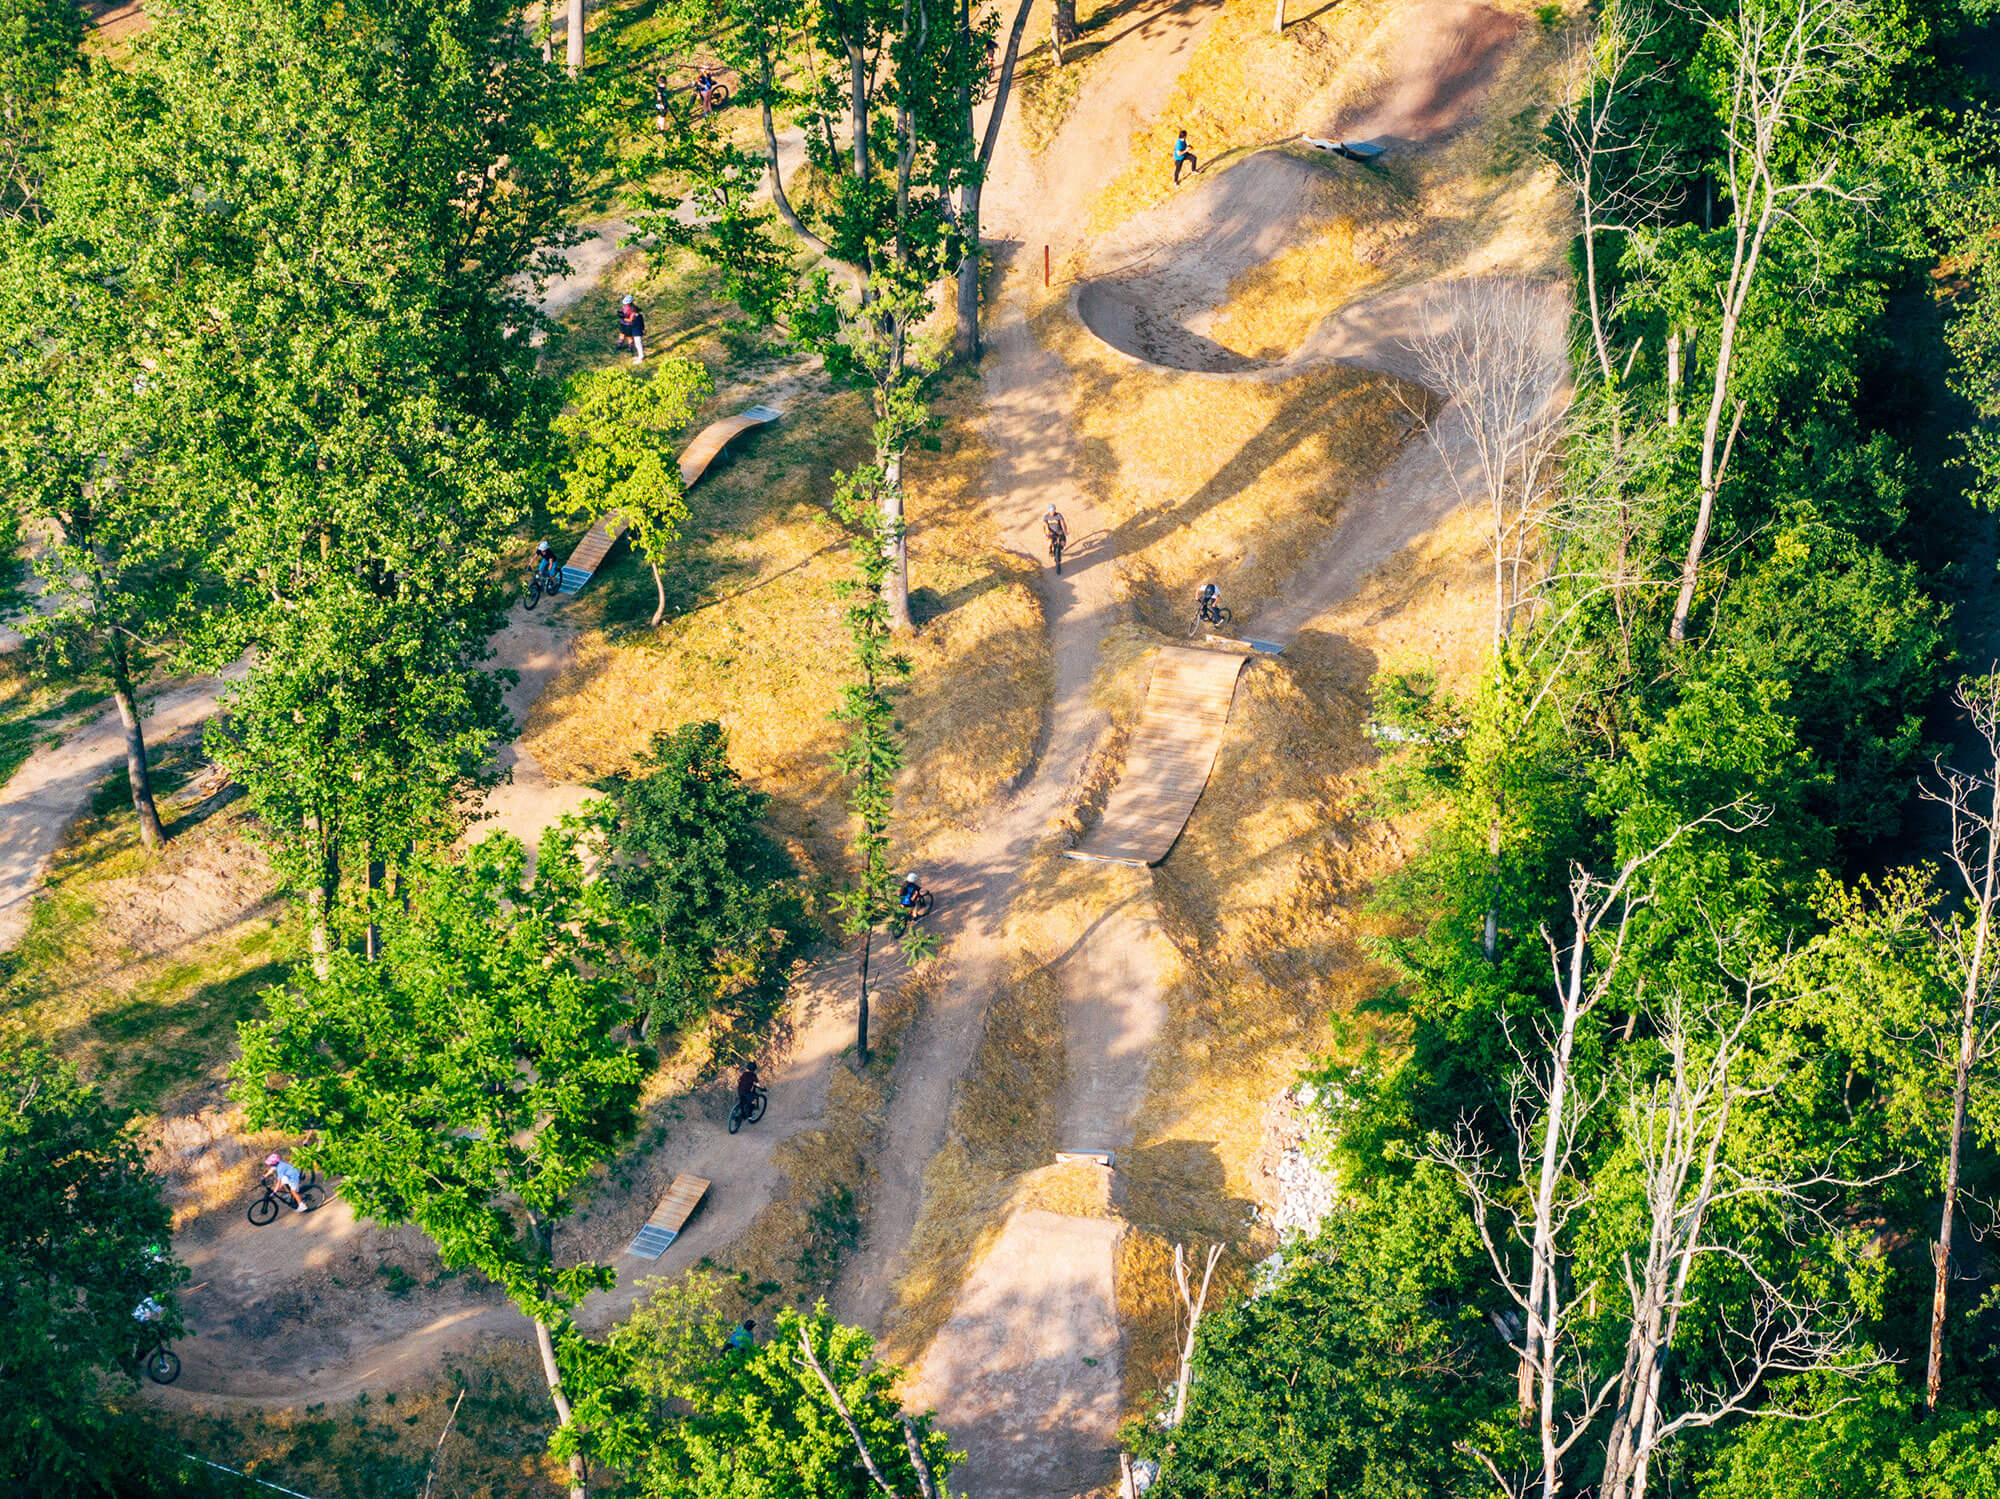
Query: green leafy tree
[466,1082]
[808,1414]
[41,49]
[707,908]
[82,1245]
[621,428]
[873,752]
[358,738]
[1358,1371]
[324,224]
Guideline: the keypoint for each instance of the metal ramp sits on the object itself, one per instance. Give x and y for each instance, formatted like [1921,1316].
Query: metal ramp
[695,460]
[1171,754]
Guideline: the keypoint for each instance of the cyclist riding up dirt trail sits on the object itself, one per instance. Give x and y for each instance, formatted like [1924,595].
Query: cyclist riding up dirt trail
[284,1177]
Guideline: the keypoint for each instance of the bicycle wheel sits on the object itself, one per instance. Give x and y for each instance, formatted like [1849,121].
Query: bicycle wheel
[163,1366]
[757,1106]
[921,906]
[1195,628]
[1224,616]
[736,1116]
[264,1210]
[718,97]
[313,1196]
[534,594]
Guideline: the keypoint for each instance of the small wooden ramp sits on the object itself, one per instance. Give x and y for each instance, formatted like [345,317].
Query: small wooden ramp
[704,450]
[716,436]
[682,1198]
[1171,754]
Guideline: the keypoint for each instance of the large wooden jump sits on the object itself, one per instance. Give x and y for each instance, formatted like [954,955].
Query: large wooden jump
[704,450]
[682,1198]
[1171,754]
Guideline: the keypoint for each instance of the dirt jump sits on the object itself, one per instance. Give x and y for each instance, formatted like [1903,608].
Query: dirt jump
[1155,285]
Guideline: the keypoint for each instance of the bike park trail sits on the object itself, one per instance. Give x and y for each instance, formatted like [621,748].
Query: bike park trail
[1026,1373]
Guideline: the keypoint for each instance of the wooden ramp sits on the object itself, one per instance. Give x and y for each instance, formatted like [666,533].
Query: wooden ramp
[716,436]
[704,450]
[1172,752]
[682,1198]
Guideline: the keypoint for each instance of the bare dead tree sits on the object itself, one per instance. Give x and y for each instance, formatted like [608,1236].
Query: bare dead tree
[1611,157]
[1963,939]
[1785,58]
[926,1479]
[1549,1110]
[1192,1304]
[1493,349]
[1679,1123]
[574,56]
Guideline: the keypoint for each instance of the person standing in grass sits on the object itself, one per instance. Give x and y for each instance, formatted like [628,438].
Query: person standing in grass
[1183,157]
[632,328]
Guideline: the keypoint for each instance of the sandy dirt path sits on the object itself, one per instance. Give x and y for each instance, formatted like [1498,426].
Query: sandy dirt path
[54,785]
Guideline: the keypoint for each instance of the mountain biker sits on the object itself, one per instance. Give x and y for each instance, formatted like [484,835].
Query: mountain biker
[662,91]
[1055,528]
[744,1338]
[704,86]
[285,1179]
[546,571]
[1208,601]
[746,1087]
[911,890]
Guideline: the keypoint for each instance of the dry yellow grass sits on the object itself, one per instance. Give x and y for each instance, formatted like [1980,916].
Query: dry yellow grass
[762,649]
[1199,479]
[1272,307]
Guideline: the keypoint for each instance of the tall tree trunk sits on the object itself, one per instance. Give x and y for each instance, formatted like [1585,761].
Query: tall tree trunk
[371,941]
[575,37]
[324,893]
[150,832]
[861,1012]
[1278,20]
[1062,29]
[896,586]
[1968,1056]
[659,595]
[1674,378]
[579,1481]
[966,341]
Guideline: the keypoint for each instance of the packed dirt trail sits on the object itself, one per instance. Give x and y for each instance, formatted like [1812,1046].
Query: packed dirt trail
[54,786]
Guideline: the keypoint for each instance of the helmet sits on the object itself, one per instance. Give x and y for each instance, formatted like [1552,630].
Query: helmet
[627,302]
[543,547]
[1052,507]
[271,1159]
[911,877]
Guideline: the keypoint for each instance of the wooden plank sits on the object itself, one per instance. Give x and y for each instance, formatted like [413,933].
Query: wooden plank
[707,447]
[670,1217]
[1169,757]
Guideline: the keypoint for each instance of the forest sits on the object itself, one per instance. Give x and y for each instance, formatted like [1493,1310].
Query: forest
[1683,1180]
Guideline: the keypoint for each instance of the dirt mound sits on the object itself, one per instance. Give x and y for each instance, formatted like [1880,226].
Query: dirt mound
[1437,70]
[1171,267]
[1158,281]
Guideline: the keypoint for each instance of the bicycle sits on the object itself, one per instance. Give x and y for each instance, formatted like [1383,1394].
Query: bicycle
[741,1114]
[265,1209]
[158,1362]
[1056,544]
[543,580]
[1209,614]
[919,906]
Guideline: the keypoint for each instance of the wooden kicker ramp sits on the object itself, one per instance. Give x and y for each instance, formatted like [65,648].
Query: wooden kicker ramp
[1171,754]
[704,450]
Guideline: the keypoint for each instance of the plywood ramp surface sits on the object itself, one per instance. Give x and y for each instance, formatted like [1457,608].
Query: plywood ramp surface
[670,1217]
[1170,756]
[716,436]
